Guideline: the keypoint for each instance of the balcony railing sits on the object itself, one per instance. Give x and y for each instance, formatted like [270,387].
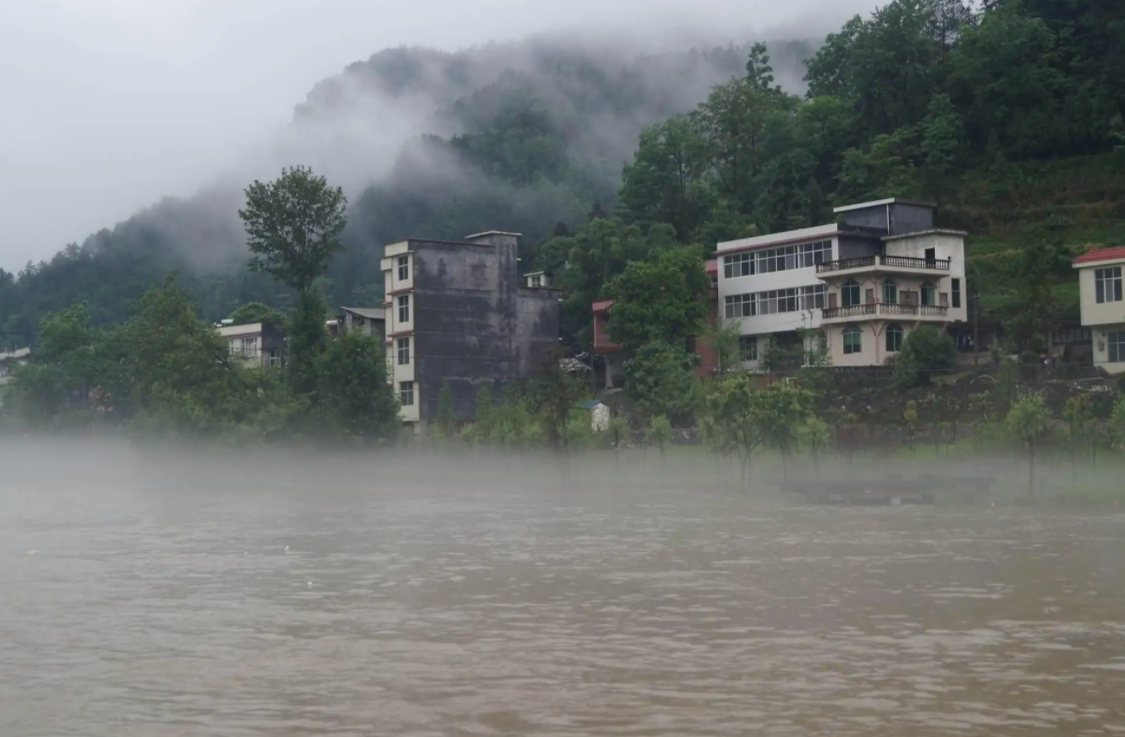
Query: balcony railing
[894,262]
[885,308]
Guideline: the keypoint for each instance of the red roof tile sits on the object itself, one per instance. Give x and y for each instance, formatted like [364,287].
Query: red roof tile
[1101,254]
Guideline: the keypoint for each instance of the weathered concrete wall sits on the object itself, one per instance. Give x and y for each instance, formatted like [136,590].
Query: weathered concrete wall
[473,324]
[855,246]
[903,218]
[537,329]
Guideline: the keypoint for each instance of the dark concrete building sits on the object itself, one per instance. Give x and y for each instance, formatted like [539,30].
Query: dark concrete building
[456,313]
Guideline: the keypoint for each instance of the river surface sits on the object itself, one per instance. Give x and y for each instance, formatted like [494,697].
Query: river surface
[508,612]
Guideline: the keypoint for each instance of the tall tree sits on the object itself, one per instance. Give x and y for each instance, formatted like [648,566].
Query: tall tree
[293,226]
[660,299]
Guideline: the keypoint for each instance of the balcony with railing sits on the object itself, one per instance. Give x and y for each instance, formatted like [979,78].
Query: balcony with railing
[881,262]
[886,309]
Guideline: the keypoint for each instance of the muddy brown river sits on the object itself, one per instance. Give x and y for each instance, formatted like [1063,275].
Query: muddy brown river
[427,612]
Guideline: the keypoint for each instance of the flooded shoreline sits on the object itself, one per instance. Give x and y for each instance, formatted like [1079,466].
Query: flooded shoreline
[296,609]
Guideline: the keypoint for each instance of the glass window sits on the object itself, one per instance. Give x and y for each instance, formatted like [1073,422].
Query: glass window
[1116,344]
[536,281]
[406,393]
[739,264]
[403,268]
[849,293]
[1107,284]
[890,292]
[748,347]
[403,351]
[853,342]
[929,295]
[404,308]
[894,338]
[956,293]
[739,305]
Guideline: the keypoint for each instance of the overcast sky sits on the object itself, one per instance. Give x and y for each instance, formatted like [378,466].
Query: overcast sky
[106,105]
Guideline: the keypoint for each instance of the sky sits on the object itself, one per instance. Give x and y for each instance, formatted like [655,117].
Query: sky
[108,105]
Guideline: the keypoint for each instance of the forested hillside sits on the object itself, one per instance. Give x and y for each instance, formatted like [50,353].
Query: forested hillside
[514,136]
[1010,115]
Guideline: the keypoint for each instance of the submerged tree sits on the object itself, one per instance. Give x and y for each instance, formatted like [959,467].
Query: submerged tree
[1028,421]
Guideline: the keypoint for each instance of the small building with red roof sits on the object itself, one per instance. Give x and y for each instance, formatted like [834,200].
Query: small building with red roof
[1103,304]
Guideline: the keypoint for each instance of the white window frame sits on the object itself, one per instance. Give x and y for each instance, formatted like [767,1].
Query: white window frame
[738,265]
[858,333]
[403,268]
[402,346]
[849,286]
[748,347]
[739,305]
[404,308]
[536,281]
[1107,285]
[888,289]
[406,393]
[893,329]
[1115,343]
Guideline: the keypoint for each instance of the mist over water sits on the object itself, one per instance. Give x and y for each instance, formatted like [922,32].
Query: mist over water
[415,594]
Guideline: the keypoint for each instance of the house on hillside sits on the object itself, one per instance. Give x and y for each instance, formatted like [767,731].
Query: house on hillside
[371,321]
[8,362]
[457,313]
[615,354]
[862,284]
[254,344]
[537,280]
[1103,306]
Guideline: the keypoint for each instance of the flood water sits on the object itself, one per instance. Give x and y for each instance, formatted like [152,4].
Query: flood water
[440,612]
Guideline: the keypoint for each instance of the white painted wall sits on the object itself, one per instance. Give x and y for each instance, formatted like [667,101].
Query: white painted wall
[1101,348]
[1107,313]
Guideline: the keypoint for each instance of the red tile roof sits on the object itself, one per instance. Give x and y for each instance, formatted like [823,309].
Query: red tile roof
[602,304]
[1101,254]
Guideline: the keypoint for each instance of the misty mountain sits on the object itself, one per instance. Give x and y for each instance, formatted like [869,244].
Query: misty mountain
[518,136]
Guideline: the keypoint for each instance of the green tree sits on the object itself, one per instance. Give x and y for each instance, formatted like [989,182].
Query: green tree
[444,418]
[942,145]
[736,420]
[660,377]
[665,181]
[352,390]
[1117,422]
[659,433]
[661,299]
[253,312]
[816,436]
[1029,422]
[293,226]
[1078,413]
[554,394]
[308,338]
[925,351]
[783,409]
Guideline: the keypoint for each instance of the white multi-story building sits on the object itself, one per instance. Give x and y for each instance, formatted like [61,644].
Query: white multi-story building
[862,284]
[254,344]
[1100,282]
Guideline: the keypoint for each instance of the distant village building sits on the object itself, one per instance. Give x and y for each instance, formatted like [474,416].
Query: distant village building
[860,286]
[9,360]
[371,321]
[457,313]
[1103,306]
[615,355]
[254,344]
[537,280]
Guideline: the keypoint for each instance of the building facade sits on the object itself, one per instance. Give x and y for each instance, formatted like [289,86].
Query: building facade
[1103,306]
[371,321]
[457,314]
[8,362]
[254,344]
[857,287]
